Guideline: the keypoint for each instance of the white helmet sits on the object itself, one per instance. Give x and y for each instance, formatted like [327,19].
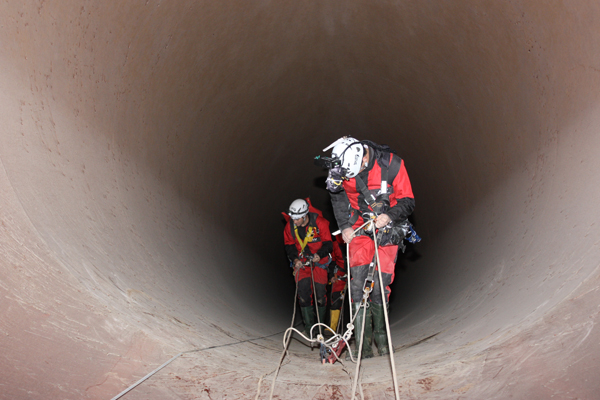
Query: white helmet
[350,151]
[298,209]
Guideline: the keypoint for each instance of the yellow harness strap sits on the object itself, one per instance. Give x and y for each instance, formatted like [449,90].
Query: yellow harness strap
[310,233]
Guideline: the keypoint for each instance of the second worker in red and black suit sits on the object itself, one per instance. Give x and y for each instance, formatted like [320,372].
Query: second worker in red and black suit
[308,242]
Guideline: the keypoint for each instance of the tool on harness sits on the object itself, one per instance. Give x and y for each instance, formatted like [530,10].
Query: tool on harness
[413,238]
[341,277]
[378,204]
[369,281]
[369,228]
[332,353]
[308,262]
[395,232]
[377,201]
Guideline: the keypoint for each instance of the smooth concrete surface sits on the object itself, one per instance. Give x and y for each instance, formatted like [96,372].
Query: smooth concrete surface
[147,149]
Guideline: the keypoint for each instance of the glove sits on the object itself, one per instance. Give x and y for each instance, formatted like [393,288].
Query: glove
[334,180]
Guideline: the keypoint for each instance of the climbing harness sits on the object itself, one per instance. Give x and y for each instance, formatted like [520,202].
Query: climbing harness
[310,234]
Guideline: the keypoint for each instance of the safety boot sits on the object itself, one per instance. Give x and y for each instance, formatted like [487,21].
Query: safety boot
[334,318]
[379,331]
[367,350]
[308,317]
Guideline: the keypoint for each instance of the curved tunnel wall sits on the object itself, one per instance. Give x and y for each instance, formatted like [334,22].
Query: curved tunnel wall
[147,150]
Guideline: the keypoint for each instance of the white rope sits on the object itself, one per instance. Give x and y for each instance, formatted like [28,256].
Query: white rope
[312,278]
[263,376]
[285,344]
[149,375]
[364,305]
[360,346]
[387,322]
[342,299]
[124,392]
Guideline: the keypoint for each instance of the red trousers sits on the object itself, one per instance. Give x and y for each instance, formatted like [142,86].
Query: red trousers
[362,253]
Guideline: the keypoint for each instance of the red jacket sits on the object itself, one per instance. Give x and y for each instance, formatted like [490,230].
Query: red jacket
[351,200]
[322,235]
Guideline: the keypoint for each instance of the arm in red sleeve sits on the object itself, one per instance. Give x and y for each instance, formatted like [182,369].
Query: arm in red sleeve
[326,244]
[290,243]
[403,194]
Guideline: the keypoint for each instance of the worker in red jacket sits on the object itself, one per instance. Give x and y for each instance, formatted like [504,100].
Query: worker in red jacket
[307,242]
[369,182]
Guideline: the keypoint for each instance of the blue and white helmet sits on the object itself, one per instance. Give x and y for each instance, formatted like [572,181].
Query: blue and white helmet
[350,152]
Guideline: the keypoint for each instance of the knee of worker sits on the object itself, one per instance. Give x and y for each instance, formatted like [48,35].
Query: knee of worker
[336,302]
[321,291]
[322,301]
[358,275]
[376,297]
[304,301]
[356,288]
[376,294]
[304,293]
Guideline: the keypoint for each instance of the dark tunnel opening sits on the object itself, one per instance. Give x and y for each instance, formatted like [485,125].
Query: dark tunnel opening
[148,149]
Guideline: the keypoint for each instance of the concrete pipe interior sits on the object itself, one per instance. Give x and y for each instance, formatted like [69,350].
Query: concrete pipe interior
[148,148]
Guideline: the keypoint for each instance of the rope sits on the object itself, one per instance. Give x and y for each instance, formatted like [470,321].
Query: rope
[363,304]
[385,313]
[343,300]
[387,323]
[124,392]
[285,343]
[360,346]
[312,278]
[261,379]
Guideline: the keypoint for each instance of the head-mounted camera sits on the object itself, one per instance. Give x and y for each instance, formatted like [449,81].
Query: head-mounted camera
[336,172]
[327,162]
